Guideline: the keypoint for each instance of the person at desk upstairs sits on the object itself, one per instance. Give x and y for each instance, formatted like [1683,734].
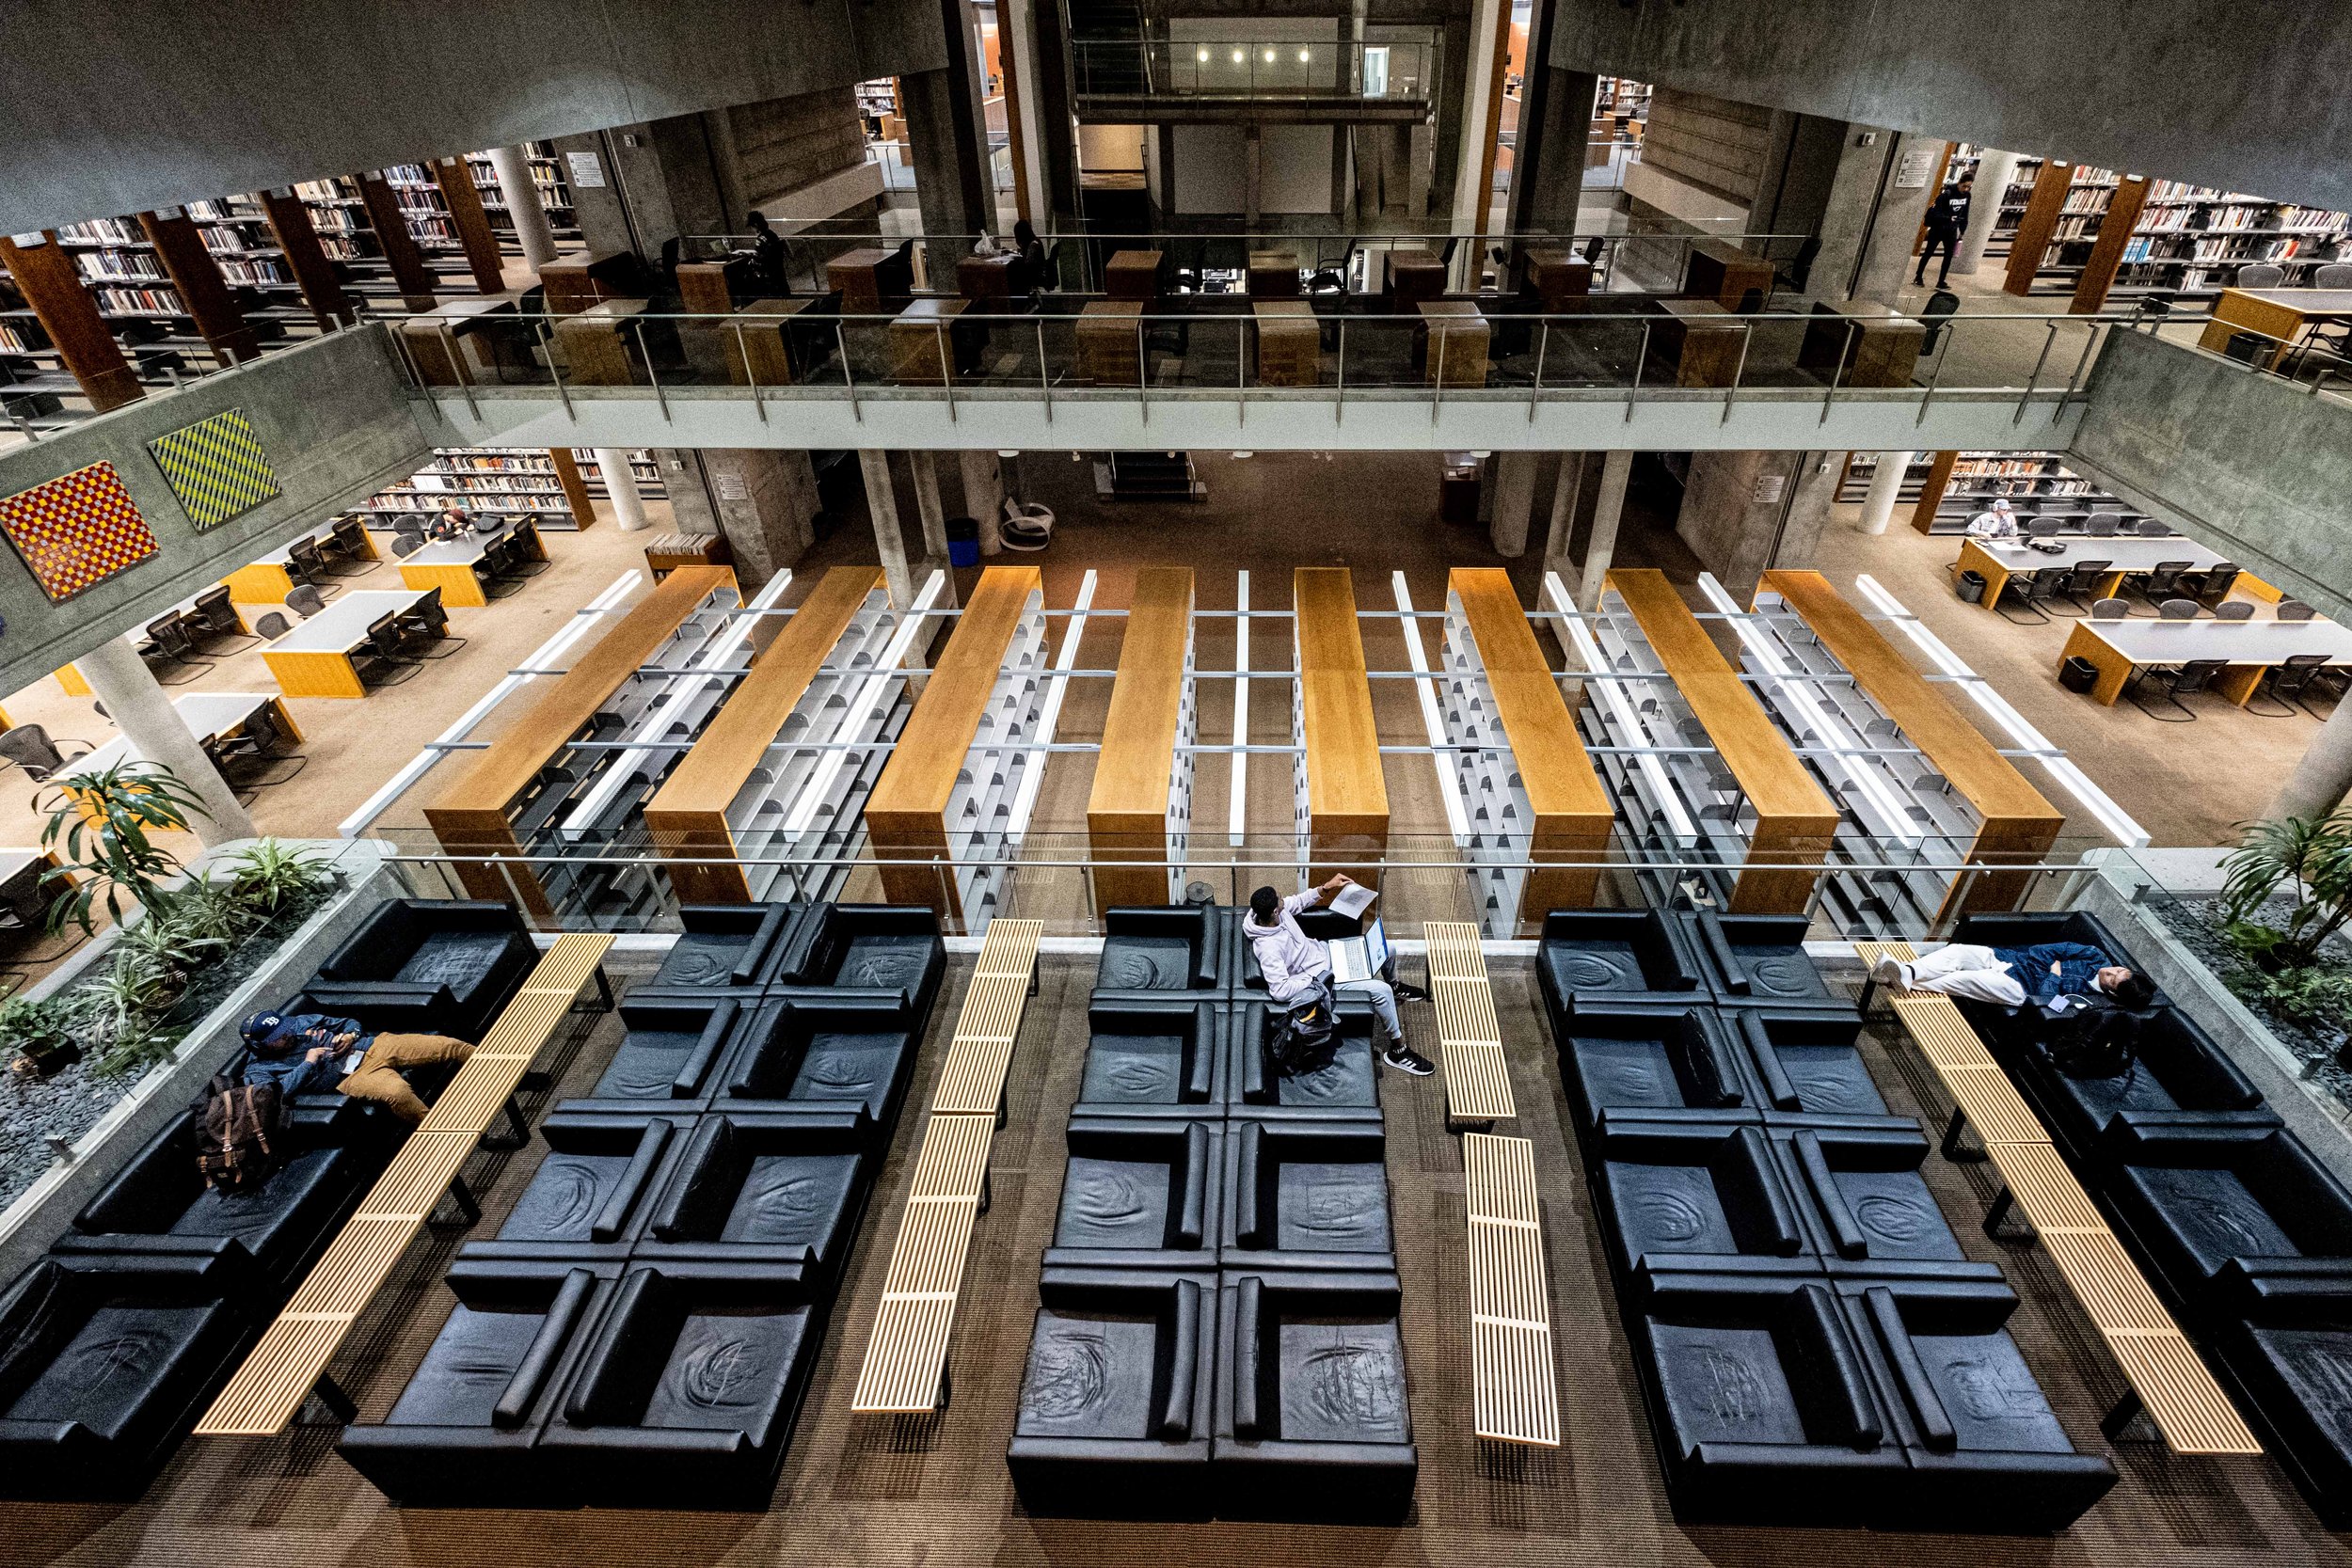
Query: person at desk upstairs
[1296,963]
[768,253]
[453,523]
[1998,521]
[311,1052]
[1032,251]
[1948,219]
[2013,977]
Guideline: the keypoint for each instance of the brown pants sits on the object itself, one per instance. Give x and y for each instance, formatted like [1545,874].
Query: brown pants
[378,1078]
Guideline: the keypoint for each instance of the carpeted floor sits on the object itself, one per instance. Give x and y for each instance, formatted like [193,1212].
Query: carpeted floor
[934,1491]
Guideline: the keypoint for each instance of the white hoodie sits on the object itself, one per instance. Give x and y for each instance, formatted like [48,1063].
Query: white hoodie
[1294,961]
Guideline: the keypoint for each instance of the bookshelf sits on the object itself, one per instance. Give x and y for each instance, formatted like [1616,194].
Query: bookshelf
[2035,483]
[1853,484]
[2174,237]
[124,276]
[555,193]
[1968,158]
[506,481]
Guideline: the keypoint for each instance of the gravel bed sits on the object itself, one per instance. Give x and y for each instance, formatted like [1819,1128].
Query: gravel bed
[2196,923]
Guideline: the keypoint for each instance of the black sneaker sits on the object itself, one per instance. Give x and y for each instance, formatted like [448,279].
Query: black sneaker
[1407,991]
[1403,1059]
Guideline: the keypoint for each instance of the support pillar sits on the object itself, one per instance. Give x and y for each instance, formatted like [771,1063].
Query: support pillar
[2322,778]
[1252,173]
[882,505]
[297,239]
[511,166]
[1745,512]
[1930,501]
[620,483]
[1886,483]
[1994,173]
[984,496]
[1564,499]
[1608,508]
[933,516]
[47,279]
[197,277]
[948,146]
[411,275]
[764,500]
[1515,501]
[119,679]
[1555,125]
[466,215]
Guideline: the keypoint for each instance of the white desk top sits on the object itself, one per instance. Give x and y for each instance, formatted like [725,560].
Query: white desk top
[13,861]
[207,715]
[2125,555]
[342,625]
[467,551]
[2265,641]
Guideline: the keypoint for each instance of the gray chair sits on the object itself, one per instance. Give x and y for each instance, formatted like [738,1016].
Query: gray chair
[2289,687]
[2335,274]
[2110,610]
[2179,610]
[2104,525]
[305,600]
[2234,609]
[2158,583]
[406,544]
[2260,275]
[2038,590]
[29,747]
[2043,527]
[2217,581]
[2178,681]
[272,627]
[2294,610]
[2079,583]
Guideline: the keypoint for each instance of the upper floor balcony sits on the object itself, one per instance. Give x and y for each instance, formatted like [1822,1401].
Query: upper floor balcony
[1124,81]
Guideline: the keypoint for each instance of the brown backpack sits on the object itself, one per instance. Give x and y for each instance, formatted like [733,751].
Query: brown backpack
[236,1146]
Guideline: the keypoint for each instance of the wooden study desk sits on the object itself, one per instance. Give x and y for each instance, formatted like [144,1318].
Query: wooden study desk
[1132,275]
[987,280]
[2000,563]
[1553,277]
[1703,341]
[1725,274]
[857,276]
[470,817]
[1573,813]
[1290,342]
[1454,343]
[1136,770]
[454,346]
[1794,819]
[456,565]
[2016,823]
[1273,275]
[2281,313]
[314,659]
[2247,647]
[576,283]
[906,816]
[922,344]
[759,341]
[1860,342]
[1415,275]
[688,815]
[1109,334]
[1347,807]
[600,345]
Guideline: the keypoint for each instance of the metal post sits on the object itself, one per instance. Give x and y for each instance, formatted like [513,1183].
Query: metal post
[1838,369]
[760,402]
[1338,410]
[1045,382]
[448,346]
[1241,360]
[2074,382]
[946,372]
[555,371]
[1542,343]
[1143,374]
[842,342]
[1936,377]
[1738,369]
[1641,358]
[659,396]
[2049,338]
[1437,395]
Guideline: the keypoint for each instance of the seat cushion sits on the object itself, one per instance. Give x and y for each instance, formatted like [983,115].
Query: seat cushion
[1343,1380]
[1667,1209]
[565,1197]
[458,959]
[1779,973]
[1989,1393]
[2098,1101]
[1089,1375]
[1831,1078]
[264,1219]
[2311,1367]
[1723,1385]
[862,1068]
[792,1201]
[1348,1079]
[2212,1214]
[472,1361]
[727,1371]
[1145,963]
[1333,1206]
[110,1368]
[1594,966]
[1898,1215]
[1113,1203]
[885,963]
[703,959]
[1134,1070]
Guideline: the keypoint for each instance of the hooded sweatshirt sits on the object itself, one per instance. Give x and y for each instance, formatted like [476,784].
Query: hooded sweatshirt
[1294,961]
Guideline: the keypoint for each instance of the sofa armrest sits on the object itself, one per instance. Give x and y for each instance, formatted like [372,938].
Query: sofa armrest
[613,1218]
[1845,1388]
[612,1363]
[1175,1423]
[150,1192]
[702,1180]
[522,1389]
[1248,1298]
[383,941]
[1936,1431]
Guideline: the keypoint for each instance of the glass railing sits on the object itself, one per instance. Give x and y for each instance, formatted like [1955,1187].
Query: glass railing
[1246,69]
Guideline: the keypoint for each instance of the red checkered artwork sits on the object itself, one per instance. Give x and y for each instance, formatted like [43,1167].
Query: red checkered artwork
[77,531]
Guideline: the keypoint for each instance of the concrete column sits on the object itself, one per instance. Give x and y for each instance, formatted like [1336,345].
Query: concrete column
[934,517]
[764,502]
[984,496]
[1555,123]
[1607,507]
[882,505]
[948,149]
[1994,170]
[1744,511]
[119,679]
[1515,501]
[1564,499]
[1878,506]
[511,166]
[620,483]
[2316,787]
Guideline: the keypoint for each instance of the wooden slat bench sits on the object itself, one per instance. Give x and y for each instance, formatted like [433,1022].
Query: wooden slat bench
[2167,1379]
[905,1370]
[1514,1394]
[1469,1037]
[290,1361]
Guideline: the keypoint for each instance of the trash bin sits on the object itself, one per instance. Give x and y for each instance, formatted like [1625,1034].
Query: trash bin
[1970,588]
[2079,675]
[963,542]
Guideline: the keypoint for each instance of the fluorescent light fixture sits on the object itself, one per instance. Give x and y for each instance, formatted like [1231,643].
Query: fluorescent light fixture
[1201,55]
[1237,807]
[875,691]
[1612,697]
[1305,55]
[1269,57]
[1049,714]
[1239,56]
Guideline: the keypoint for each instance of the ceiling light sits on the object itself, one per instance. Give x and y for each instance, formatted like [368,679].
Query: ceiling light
[1269,57]
[1305,55]
[1002,453]
[1238,56]
[1201,55]
[1245,455]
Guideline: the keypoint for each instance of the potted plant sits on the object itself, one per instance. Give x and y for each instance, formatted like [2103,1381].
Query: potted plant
[2308,860]
[105,820]
[41,1035]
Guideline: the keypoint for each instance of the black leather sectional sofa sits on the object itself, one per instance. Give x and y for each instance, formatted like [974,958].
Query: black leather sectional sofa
[1814,1345]
[2227,1212]
[1218,1328]
[641,1329]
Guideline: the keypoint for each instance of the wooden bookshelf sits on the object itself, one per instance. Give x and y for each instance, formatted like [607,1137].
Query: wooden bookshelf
[181,248]
[506,481]
[1854,480]
[46,275]
[2054,201]
[1140,805]
[297,236]
[2034,482]
[1342,796]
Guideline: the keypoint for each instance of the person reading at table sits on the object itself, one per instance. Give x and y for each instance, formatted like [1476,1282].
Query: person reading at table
[311,1052]
[1998,521]
[1296,963]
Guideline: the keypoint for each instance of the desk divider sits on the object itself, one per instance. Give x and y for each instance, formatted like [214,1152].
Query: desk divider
[1140,803]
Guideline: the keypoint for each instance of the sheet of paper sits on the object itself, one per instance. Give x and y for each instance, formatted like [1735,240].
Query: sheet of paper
[1353,900]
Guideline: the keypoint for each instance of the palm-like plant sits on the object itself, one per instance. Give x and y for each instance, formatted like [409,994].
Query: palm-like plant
[267,873]
[2310,858]
[106,820]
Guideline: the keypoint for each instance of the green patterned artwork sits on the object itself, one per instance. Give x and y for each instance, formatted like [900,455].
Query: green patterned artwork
[217,467]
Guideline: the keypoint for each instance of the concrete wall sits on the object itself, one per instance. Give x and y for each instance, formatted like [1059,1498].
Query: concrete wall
[2248,464]
[785,143]
[334,416]
[146,104]
[1714,143]
[2244,99]
[1744,512]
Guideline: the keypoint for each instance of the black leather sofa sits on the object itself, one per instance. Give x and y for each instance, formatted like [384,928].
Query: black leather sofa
[1320,924]
[466,1430]
[595,1186]
[1860,1193]
[675,1047]
[1673,1187]
[687,1395]
[781,1188]
[885,947]
[106,1359]
[1140,1190]
[1305,1195]
[1347,1087]
[2211,1206]
[1630,951]
[1756,959]
[1642,1057]
[1804,1059]
[2289,1341]
[1312,1417]
[822,1049]
[728,946]
[1117,1400]
[1180,947]
[2177,1076]
[2004,1029]
[1154,1057]
[441,966]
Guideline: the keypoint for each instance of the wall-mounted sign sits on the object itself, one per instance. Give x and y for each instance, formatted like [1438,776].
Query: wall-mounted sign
[1768,488]
[585,169]
[1915,169]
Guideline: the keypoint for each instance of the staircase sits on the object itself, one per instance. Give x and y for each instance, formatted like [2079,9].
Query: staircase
[1148,476]
[1107,47]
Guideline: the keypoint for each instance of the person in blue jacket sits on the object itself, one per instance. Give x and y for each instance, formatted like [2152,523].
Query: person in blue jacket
[2013,977]
[313,1053]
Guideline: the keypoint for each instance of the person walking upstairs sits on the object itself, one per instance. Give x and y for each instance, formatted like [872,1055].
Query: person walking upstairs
[1948,219]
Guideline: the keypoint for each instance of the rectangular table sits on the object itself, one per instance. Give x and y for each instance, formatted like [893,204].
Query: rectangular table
[2247,647]
[921,348]
[1454,342]
[1290,343]
[264,579]
[211,717]
[314,659]
[857,276]
[1703,342]
[1110,341]
[1132,275]
[454,565]
[1415,276]
[1725,274]
[597,342]
[2000,563]
[1555,276]
[1861,343]
[2281,313]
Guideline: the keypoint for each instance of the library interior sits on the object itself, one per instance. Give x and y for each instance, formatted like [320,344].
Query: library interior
[1753,965]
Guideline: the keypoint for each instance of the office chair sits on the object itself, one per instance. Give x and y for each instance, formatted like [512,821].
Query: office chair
[373,664]
[2260,275]
[499,567]
[305,600]
[1750,303]
[2294,610]
[306,565]
[213,619]
[2038,590]
[425,629]
[406,544]
[169,647]
[2153,527]
[2289,687]
[272,627]
[2110,610]
[2178,609]
[1940,304]
[29,747]
[2219,578]
[2079,583]
[2159,583]
[520,563]
[2178,680]
[345,546]
[2042,527]
[2234,609]
[2104,525]
[2335,274]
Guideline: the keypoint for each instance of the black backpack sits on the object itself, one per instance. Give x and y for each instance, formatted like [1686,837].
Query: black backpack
[1308,1034]
[2090,1042]
[237,1134]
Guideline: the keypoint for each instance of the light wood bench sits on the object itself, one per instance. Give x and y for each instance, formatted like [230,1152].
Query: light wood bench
[1469,1037]
[1514,1394]
[2168,1379]
[972,1080]
[290,1361]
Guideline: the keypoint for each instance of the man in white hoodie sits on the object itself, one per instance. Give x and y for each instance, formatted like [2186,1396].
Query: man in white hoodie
[1296,963]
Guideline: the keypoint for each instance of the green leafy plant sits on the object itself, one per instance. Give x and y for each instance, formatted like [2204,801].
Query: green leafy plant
[215,910]
[43,1034]
[124,1004]
[2311,994]
[268,874]
[2309,859]
[105,821]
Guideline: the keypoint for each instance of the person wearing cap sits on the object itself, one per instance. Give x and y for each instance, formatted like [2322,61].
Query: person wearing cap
[2000,521]
[312,1052]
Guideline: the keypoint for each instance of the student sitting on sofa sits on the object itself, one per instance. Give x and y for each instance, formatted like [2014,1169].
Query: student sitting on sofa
[311,1052]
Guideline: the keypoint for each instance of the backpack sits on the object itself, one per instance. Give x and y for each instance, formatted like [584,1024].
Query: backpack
[1307,1036]
[236,1143]
[2090,1042]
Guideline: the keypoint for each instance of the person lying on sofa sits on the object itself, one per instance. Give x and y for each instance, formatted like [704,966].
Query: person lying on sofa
[2013,977]
[311,1052]
[1294,964]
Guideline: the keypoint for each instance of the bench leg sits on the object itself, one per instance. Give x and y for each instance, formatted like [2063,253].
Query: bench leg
[2002,1202]
[947,1385]
[1033,977]
[987,1191]
[338,1405]
[1869,994]
[1459,1125]
[463,1197]
[1955,1132]
[604,991]
[2128,1421]
[513,1120]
